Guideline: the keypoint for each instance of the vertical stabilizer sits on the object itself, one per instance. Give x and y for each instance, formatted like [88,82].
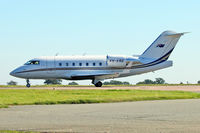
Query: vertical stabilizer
[162,46]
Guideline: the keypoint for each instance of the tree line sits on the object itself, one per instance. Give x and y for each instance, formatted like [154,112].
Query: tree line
[111,82]
[57,81]
[157,81]
[47,82]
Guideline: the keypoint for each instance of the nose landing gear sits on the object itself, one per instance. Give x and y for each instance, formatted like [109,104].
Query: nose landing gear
[27,83]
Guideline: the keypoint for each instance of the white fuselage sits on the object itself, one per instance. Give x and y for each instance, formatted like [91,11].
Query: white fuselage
[70,67]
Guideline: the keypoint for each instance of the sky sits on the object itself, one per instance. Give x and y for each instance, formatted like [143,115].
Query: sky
[33,28]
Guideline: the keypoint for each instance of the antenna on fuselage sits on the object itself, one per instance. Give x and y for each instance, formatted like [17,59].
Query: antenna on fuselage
[56,54]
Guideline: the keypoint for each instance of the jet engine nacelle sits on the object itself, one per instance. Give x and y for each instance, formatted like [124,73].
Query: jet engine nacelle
[116,61]
[122,61]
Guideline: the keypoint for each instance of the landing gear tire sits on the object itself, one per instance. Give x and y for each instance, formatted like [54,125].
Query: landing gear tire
[98,84]
[27,83]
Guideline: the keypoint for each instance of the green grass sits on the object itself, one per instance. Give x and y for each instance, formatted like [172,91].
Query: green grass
[44,96]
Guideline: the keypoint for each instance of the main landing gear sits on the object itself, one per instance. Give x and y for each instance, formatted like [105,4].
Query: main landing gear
[27,83]
[97,83]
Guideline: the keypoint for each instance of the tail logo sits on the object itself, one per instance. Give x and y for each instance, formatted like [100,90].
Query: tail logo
[160,45]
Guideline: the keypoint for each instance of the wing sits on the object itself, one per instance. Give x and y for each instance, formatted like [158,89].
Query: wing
[94,75]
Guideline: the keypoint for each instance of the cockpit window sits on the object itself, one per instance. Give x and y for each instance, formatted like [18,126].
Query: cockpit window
[32,62]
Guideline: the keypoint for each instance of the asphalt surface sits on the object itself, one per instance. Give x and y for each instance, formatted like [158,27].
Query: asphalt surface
[169,116]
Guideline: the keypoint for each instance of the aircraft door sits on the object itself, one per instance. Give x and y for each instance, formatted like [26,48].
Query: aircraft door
[50,65]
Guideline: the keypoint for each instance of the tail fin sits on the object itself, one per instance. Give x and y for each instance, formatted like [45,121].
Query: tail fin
[163,45]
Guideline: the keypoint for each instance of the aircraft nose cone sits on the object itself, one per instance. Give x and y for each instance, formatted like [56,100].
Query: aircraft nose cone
[13,73]
[17,72]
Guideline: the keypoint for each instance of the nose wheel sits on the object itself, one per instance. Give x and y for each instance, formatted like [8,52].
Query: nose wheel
[27,83]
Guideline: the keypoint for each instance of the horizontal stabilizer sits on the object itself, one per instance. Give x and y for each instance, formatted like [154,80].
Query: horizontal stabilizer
[176,34]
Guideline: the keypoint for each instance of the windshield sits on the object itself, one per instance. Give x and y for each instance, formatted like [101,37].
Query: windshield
[32,62]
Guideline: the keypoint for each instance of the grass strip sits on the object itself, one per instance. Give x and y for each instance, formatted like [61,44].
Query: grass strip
[44,96]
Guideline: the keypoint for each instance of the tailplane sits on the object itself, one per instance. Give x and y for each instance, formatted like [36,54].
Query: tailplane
[162,46]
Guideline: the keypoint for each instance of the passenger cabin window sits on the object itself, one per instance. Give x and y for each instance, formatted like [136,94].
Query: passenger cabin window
[80,64]
[60,64]
[87,64]
[120,60]
[67,64]
[94,64]
[33,62]
[73,64]
[100,64]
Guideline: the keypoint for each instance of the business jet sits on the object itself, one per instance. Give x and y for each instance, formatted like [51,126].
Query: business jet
[99,68]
